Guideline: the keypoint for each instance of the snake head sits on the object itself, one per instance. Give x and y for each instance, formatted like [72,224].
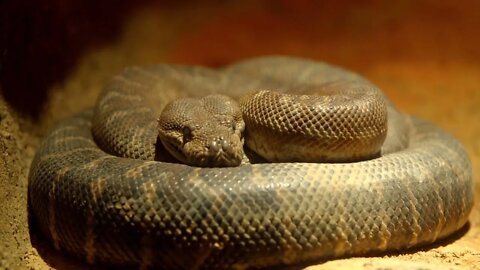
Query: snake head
[205,132]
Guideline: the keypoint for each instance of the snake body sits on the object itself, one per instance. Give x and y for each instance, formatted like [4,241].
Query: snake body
[129,210]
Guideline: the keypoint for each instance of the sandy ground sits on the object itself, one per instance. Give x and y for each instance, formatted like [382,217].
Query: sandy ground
[425,57]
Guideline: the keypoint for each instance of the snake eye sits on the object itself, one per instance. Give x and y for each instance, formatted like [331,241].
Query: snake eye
[187,134]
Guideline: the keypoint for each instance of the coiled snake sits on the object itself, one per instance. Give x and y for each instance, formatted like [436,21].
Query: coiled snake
[129,210]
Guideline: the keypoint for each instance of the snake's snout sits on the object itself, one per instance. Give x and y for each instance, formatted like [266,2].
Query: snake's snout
[219,145]
[224,152]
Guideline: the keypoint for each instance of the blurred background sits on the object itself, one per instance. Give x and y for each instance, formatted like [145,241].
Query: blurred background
[56,55]
[44,43]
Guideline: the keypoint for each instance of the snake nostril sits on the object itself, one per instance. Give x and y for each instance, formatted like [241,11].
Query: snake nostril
[226,146]
[214,146]
[224,143]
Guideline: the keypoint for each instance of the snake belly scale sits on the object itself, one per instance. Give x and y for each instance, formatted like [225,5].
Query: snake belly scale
[129,210]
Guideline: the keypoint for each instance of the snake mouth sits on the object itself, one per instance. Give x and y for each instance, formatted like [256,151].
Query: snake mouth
[175,150]
[224,159]
[206,157]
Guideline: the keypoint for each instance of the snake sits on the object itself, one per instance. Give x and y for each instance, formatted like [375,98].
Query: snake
[104,187]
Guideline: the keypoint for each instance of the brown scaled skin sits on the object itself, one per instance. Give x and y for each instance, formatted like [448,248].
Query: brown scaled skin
[207,134]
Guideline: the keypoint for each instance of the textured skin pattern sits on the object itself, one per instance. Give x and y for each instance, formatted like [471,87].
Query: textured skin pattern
[121,211]
[335,123]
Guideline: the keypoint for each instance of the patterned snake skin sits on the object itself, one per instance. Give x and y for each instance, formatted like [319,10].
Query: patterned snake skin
[121,211]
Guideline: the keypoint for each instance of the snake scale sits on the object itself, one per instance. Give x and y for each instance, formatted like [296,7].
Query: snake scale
[120,206]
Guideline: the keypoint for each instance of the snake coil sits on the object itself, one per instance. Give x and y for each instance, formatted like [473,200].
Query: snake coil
[129,210]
